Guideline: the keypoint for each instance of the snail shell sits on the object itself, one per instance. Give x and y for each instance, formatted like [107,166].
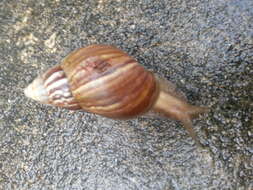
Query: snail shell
[100,79]
[105,80]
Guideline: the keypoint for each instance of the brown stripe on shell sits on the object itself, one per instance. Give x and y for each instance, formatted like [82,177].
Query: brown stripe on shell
[87,63]
[126,97]
[133,93]
[78,55]
[132,106]
[101,84]
[93,77]
[50,71]
[89,66]
[59,94]
[64,88]
[140,103]
[105,80]
[58,76]
[69,103]
[135,98]
[74,59]
[83,76]
[115,89]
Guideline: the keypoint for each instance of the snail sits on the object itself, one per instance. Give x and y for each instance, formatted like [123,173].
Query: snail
[104,80]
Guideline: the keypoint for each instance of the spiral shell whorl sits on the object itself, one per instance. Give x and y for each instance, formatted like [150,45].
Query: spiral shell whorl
[52,88]
[58,89]
[106,81]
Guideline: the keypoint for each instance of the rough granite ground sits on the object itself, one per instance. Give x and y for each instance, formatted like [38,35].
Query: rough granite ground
[203,46]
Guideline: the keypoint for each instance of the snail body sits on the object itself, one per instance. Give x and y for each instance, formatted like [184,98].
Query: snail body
[107,81]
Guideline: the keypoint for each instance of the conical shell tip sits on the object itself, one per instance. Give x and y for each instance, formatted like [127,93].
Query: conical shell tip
[37,91]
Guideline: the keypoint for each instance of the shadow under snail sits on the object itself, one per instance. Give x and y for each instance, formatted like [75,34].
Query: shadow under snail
[103,79]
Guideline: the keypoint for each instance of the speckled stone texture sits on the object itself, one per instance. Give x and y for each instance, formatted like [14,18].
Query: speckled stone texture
[204,46]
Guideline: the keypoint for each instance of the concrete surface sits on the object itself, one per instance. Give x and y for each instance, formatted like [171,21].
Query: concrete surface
[205,47]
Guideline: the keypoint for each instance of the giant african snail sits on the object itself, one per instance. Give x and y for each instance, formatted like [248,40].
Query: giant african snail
[107,81]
